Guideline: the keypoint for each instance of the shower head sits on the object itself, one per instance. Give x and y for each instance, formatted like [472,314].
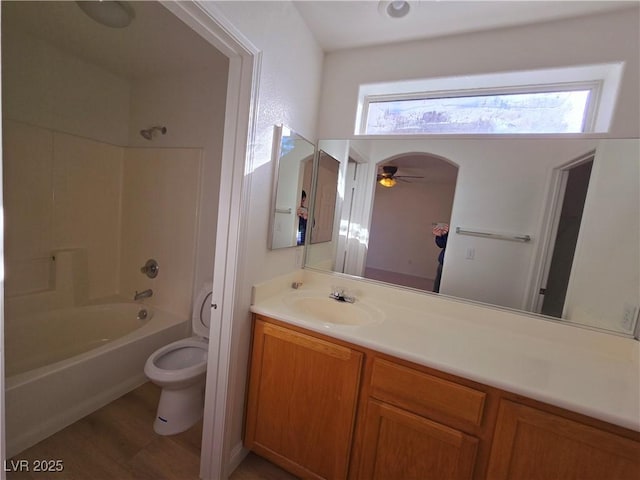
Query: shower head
[149,132]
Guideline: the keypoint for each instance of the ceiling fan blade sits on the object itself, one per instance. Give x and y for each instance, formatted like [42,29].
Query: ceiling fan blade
[407,176]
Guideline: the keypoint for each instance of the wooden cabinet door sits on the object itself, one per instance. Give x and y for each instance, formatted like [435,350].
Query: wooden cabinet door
[399,445]
[302,401]
[531,444]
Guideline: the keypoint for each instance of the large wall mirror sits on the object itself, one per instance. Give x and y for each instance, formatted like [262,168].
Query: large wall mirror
[293,168]
[549,226]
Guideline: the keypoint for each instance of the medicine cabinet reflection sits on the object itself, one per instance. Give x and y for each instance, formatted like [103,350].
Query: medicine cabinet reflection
[293,168]
[326,193]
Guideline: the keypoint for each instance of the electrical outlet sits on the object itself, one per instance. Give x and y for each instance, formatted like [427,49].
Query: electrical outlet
[630,316]
[471,254]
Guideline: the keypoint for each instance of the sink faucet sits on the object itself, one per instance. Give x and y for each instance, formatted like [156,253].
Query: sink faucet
[340,296]
[144,294]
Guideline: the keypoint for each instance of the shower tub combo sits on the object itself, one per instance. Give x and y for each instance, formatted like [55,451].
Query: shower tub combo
[63,364]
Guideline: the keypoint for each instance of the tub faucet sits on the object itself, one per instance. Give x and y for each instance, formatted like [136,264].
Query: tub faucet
[144,294]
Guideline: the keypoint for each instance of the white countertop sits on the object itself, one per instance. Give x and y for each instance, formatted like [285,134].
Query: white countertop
[589,372]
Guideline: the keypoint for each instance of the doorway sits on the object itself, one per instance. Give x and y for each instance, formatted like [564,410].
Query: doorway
[236,105]
[402,248]
[574,183]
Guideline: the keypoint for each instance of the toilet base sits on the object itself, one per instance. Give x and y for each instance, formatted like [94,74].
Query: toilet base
[180,409]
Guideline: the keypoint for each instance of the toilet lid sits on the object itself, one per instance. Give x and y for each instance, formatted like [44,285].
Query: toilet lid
[201,318]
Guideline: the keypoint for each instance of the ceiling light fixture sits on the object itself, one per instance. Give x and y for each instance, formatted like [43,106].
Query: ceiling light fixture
[394,9]
[109,13]
[387,182]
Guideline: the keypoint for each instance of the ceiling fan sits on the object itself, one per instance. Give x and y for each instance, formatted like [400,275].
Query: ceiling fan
[388,177]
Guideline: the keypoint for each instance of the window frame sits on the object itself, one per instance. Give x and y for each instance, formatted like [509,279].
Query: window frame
[602,81]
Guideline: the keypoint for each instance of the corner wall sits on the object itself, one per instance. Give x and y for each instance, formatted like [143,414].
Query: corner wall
[48,175]
[191,105]
[289,85]
[52,89]
[66,148]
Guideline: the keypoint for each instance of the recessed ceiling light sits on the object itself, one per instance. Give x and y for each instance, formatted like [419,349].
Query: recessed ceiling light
[394,9]
[110,13]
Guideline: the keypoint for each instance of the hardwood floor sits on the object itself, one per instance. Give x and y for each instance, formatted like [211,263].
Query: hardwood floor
[257,468]
[117,442]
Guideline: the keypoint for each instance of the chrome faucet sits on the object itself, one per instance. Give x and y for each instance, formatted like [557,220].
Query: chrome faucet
[340,296]
[144,294]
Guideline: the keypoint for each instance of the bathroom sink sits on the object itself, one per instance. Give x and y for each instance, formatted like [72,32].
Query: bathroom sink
[329,311]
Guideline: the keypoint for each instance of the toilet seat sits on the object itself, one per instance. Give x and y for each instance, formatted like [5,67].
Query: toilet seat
[201,316]
[166,373]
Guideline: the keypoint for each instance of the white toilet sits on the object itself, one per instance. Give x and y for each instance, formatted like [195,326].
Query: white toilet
[180,369]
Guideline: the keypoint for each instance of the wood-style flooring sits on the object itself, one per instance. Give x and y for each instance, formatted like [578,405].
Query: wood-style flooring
[117,442]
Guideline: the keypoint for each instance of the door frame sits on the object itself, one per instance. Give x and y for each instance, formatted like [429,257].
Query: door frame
[240,119]
[558,187]
[241,109]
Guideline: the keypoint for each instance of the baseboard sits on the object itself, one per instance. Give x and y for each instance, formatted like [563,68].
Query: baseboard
[238,454]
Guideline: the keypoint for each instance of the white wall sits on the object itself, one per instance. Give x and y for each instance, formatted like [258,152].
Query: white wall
[52,89]
[291,63]
[48,175]
[191,106]
[401,238]
[81,218]
[160,192]
[27,160]
[609,37]
[604,281]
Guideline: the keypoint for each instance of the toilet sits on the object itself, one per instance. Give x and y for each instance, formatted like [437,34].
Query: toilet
[180,368]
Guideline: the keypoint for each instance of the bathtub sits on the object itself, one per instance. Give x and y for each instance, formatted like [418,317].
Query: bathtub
[64,364]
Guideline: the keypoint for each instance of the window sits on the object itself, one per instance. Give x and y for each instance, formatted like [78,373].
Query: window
[542,112]
[507,103]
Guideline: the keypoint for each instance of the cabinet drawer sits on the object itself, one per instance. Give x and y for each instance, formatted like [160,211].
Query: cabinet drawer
[423,393]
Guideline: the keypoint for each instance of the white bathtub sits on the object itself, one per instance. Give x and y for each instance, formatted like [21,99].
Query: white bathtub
[64,364]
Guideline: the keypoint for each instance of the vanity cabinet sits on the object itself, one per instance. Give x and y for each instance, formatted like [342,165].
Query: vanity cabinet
[534,444]
[399,444]
[417,426]
[324,408]
[302,400]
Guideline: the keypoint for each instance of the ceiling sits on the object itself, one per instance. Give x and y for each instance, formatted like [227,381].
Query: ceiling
[157,42]
[339,25]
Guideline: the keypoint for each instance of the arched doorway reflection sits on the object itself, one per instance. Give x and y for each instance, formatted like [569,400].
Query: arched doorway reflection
[401,246]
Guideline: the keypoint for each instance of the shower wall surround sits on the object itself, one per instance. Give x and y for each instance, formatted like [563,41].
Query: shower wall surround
[46,86]
[122,205]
